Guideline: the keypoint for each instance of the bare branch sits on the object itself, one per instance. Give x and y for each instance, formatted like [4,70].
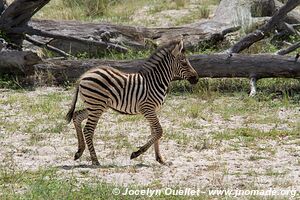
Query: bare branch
[107,45]
[259,34]
[289,49]
[253,81]
[19,13]
[47,46]
[3,5]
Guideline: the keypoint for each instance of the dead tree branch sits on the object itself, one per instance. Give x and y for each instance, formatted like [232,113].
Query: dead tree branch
[47,46]
[18,62]
[260,33]
[3,5]
[18,14]
[289,49]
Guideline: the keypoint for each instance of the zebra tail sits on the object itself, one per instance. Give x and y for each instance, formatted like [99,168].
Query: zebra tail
[69,115]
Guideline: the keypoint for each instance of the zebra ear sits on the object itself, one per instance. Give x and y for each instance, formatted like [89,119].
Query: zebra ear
[178,48]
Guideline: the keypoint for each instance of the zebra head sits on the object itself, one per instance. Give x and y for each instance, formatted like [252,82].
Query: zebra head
[182,67]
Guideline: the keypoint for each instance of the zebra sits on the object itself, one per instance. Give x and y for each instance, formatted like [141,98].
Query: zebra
[142,92]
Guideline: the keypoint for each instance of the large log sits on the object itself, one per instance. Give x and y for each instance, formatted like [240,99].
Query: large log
[130,36]
[214,66]
[94,38]
[18,62]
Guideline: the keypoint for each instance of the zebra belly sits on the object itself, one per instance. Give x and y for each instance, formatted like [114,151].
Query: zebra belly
[126,106]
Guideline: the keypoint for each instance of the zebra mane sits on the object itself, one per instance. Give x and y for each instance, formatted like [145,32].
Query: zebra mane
[166,47]
[169,47]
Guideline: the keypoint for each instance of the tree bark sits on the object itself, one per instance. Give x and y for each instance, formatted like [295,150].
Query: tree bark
[17,15]
[3,5]
[293,17]
[18,62]
[290,49]
[213,66]
[130,36]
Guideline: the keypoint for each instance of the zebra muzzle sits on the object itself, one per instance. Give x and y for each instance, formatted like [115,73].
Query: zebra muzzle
[193,80]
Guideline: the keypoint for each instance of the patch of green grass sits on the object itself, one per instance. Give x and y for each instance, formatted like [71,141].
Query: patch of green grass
[204,12]
[46,104]
[266,87]
[48,184]
[119,140]
[35,138]
[255,158]
[181,138]
[162,5]
[194,15]
[195,110]
[101,10]
[129,118]
[45,110]
[180,87]
[251,135]
[191,124]
[10,82]
[271,172]
[210,2]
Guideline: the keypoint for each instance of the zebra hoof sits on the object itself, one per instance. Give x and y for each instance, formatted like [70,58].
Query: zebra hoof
[134,155]
[77,155]
[160,160]
[95,163]
[168,164]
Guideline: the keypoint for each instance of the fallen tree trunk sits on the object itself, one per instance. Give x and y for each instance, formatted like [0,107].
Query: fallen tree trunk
[94,38]
[214,66]
[129,36]
[18,62]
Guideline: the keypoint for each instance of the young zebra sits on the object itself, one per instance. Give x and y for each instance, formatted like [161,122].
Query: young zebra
[129,93]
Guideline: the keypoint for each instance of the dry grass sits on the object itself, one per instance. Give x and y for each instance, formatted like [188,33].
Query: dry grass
[216,139]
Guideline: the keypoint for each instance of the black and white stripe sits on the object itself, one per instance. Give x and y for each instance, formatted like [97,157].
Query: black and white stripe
[129,93]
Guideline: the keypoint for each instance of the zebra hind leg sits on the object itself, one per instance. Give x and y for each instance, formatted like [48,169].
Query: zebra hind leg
[88,131]
[78,117]
[158,156]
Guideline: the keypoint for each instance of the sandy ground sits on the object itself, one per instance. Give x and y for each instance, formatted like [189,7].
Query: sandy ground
[199,161]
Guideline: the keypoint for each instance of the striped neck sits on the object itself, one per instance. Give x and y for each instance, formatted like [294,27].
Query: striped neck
[159,68]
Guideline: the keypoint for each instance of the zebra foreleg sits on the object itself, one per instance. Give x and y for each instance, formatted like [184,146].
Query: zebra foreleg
[156,134]
[158,156]
[78,117]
